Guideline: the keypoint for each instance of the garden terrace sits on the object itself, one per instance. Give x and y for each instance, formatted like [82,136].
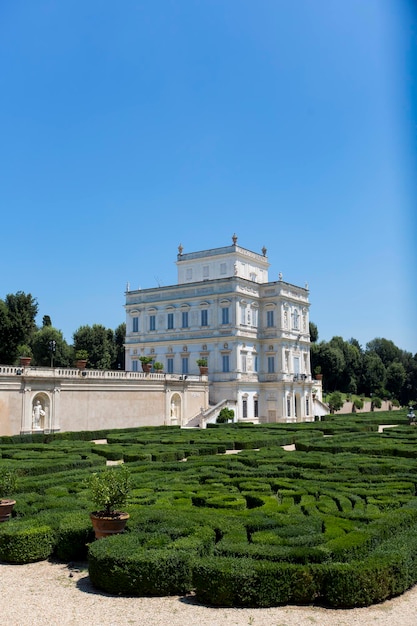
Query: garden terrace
[333,521]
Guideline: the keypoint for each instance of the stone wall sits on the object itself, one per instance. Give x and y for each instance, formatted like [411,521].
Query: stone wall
[73,400]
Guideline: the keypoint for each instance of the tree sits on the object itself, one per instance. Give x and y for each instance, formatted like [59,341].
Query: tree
[332,362]
[44,353]
[17,324]
[395,378]
[119,341]
[335,401]
[99,343]
[314,333]
[373,375]
[385,349]
[46,321]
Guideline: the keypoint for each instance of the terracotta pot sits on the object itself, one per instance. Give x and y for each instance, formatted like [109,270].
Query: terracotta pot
[81,364]
[203,370]
[110,525]
[6,508]
[318,376]
[25,361]
[146,367]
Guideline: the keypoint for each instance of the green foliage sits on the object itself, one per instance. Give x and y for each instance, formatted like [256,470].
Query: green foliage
[73,535]
[145,359]
[158,366]
[41,345]
[258,528]
[120,565]
[225,415]
[110,489]
[202,362]
[81,355]
[358,403]
[335,401]
[17,324]
[7,482]
[98,342]
[25,541]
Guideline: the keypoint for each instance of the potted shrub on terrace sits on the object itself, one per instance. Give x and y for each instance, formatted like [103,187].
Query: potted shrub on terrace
[81,358]
[202,364]
[24,353]
[110,491]
[146,363]
[7,486]
[317,373]
[158,367]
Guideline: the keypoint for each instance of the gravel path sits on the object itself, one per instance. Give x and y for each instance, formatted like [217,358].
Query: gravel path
[53,594]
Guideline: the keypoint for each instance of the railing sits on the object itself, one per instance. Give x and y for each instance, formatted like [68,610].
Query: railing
[68,372]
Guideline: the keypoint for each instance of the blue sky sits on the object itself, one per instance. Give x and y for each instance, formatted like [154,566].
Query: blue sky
[128,128]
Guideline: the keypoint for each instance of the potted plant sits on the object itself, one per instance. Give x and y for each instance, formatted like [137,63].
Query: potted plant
[317,373]
[202,364]
[110,491]
[81,358]
[24,353]
[314,392]
[7,486]
[146,363]
[158,367]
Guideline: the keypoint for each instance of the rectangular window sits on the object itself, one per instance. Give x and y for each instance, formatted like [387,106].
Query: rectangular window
[307,406]
[225,315]
[288,406]
[269,318]
[255,317]
[271,364]
[244,364]
[204,317]
[205,271]
[184,362]
[225,362]
[222,268]
[255,407]
[170,321]
[170,365]
[185,319]
[152,322]
[295,320]
[256,364]
[135,324]
[244,407]
[134,366]
[189,273]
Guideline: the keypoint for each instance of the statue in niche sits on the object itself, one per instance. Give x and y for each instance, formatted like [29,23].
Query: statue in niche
[37,414]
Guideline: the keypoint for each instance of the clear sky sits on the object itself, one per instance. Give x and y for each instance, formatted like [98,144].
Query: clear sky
[128,128]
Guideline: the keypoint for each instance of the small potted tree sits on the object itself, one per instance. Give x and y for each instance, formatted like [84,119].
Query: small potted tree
[317,373]
[7,486]
[146,363]
[202,364]
[24,353]
[158,367]
[81,358]
[110,491]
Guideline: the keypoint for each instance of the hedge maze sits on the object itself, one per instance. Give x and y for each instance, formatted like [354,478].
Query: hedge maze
[331,521]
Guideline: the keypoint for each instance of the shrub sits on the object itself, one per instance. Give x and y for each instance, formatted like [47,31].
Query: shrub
[120,565]
[225,415]
[25,542]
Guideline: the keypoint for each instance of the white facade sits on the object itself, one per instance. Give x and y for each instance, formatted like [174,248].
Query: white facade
[253,333]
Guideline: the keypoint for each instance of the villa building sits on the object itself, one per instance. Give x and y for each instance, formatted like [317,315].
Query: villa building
[253,333]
